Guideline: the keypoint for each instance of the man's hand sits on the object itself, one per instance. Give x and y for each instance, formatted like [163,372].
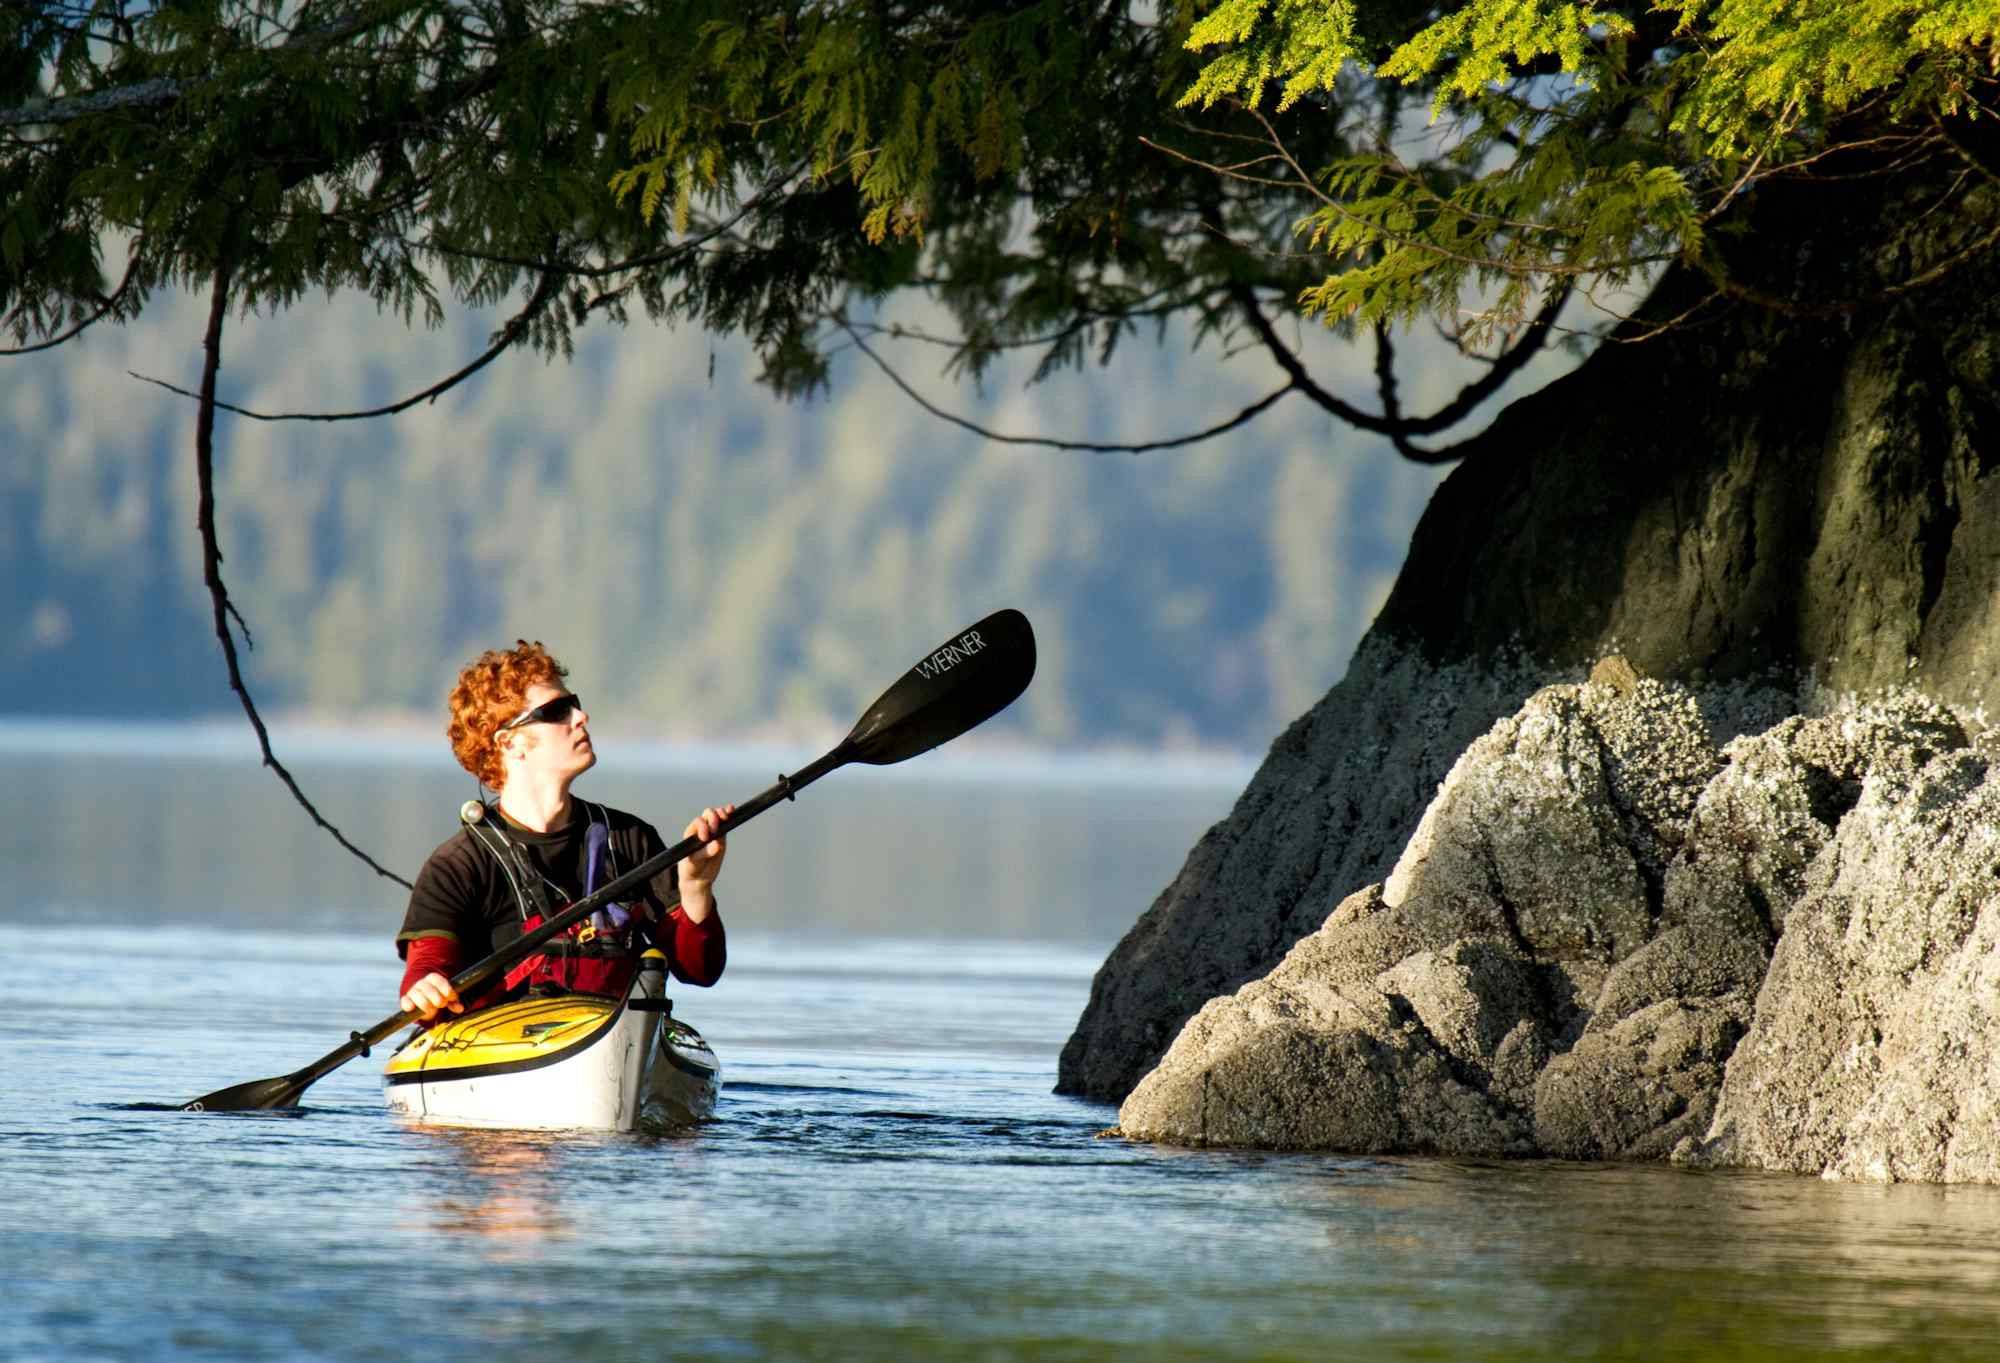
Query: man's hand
[700,868]
[430,996]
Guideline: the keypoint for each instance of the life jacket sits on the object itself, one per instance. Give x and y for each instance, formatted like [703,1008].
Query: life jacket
[599,955]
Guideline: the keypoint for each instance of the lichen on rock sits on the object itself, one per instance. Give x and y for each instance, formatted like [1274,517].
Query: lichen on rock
[1875,1049]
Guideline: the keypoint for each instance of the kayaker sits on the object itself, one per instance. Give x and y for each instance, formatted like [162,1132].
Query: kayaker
[518,860]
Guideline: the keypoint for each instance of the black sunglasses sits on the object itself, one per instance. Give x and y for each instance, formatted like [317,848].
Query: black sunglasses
[548,712]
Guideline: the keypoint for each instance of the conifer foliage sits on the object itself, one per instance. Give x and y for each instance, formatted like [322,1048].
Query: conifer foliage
[1057,173]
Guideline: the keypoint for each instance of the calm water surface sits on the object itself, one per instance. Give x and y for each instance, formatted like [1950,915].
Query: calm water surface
[889,1175]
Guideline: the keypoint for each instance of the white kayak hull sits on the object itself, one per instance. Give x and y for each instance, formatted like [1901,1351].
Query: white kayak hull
[570,1062]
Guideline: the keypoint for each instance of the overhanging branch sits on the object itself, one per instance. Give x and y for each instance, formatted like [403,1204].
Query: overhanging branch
[211,555]
[1248,414]
[1400,429]
[512,332]
[162,91]
[148,94]
[105,309]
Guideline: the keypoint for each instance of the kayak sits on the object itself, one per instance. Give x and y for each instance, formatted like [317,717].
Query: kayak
[563,1062]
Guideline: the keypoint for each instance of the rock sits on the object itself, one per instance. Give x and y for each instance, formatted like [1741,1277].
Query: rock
[1561,816]
[1616,673]
[1517,1064]
[1875,1048]
[1707,962]
[1755,829]
[1828,515]
[1778,799]
[1659,755]
[1573,957]
[1307,1059]
[1645,1073]
[1468,998]
[1638,1088]
[1484,952]
[1327,814]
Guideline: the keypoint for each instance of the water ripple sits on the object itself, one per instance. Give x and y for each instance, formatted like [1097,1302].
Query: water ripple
[858,1200]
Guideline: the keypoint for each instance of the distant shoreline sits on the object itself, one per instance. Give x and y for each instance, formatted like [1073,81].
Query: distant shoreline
[402,744]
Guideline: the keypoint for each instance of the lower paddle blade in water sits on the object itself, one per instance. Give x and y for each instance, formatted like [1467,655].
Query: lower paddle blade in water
[254,1096]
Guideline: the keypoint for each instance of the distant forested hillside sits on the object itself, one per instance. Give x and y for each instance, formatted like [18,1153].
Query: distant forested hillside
[707,558]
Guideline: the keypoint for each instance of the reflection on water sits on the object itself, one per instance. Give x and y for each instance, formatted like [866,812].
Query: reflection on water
[498,1185]
[1650,1262]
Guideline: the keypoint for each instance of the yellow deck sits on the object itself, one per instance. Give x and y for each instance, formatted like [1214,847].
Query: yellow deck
[527,1030]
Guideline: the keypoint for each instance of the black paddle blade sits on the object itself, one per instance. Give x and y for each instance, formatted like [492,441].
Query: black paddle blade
[964,682]
[256,1096]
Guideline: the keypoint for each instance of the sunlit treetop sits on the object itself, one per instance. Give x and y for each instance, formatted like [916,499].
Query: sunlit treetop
[1591,141]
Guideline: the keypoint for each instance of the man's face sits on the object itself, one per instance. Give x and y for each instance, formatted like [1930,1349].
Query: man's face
[559,747]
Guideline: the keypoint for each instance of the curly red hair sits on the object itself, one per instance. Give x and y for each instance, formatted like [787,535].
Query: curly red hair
[491,690]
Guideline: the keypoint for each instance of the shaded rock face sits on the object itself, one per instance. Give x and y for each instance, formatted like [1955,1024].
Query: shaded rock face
[1609,938]
[1328,812]
[1752,507]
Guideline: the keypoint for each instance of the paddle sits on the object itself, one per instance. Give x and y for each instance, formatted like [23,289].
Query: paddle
[961,683]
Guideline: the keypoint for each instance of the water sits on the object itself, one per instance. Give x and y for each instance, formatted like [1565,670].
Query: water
[889,1176]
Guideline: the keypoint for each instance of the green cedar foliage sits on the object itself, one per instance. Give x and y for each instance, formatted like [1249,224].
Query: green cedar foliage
[755,168]
[1593,142]
[1055,173]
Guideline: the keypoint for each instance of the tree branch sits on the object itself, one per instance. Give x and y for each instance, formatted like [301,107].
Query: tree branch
[161,91]
[1399,430]
[1045,442]
[147,94]
[106,309]
[1840,307]
[553,273]
[630,263]
[1392,402]
[211,553]
[1978,158]
[509,334]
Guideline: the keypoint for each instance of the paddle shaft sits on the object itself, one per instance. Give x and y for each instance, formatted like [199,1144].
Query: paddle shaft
[477,974]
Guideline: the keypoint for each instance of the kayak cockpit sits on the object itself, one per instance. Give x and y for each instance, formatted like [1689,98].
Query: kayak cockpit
[565,1061]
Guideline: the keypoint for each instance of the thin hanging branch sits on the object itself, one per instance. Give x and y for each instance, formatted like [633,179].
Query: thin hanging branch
[509,334]
[211,555]
[1400,428]
[1631,330]
[1392,401]
[554,273]
[1391,422]
[1048,442]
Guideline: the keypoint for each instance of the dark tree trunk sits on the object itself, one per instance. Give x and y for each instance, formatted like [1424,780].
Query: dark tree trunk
[1760,501]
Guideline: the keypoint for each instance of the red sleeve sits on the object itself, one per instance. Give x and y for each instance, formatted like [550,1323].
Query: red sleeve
[428,954]
[696,951]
